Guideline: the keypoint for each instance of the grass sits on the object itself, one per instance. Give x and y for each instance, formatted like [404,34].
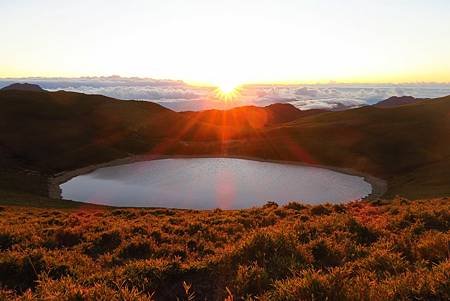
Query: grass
[397,250]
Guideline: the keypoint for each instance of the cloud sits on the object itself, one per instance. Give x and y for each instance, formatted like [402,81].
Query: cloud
[138,92]
[116,86]
[338,96]
[329,104]
[180,96]
[55,83]
[306,92]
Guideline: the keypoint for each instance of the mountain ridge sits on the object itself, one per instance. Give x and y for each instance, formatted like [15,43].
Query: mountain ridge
[23,87]
[52,132]
[395,101]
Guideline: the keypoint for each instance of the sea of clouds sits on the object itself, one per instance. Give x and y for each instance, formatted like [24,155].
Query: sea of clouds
[180,96]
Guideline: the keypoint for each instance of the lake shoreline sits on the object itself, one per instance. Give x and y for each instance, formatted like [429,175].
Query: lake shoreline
[379,186]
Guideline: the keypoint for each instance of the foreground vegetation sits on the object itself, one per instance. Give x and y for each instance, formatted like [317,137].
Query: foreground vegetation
[396,250]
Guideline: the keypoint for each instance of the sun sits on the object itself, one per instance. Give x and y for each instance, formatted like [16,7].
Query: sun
[227,87]
[227,90]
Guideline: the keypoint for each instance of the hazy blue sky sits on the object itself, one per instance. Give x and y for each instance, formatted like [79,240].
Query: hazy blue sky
[229,42]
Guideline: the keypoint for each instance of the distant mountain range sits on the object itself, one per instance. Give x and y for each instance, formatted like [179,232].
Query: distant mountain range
[23,87]
[396,101]
[390,102]
[403,141]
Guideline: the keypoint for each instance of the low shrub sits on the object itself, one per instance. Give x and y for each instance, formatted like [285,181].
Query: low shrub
[67,238]
[363,234]
[295,206]
[20,271]
[106,242]
[320,210]
[433,247]
[276,253]
[308,285]
[384,262]
[324,254]
[6,240]
[251,280]
[136,249]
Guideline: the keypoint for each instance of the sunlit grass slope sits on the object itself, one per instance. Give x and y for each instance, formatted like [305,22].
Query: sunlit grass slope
[397,250]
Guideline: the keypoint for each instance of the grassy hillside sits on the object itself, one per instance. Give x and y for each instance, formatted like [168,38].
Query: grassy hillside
[42,133]
[55,131]
[360,251]
[381,250]
[406,145]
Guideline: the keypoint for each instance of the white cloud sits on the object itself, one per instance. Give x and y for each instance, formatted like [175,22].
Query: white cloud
[179,96]
[305,91]
[337,96]
[138,92]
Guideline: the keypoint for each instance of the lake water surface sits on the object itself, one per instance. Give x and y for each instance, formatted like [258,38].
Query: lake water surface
[206,183]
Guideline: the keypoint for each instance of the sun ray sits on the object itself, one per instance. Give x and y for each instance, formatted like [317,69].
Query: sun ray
[227,91]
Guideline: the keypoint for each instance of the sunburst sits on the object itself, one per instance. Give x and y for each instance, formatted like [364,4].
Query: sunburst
[227,91]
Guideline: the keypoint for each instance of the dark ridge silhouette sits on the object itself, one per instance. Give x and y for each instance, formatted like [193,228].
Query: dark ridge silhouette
[252,116]
[284,112]
[46,133]
[23,87]
[396,101]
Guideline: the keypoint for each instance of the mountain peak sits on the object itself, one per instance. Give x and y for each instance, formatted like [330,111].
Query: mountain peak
[23,87]
[396,101]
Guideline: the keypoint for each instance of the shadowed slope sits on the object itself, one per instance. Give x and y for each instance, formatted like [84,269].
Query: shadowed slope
[396,101]
[388,142]
[49,132]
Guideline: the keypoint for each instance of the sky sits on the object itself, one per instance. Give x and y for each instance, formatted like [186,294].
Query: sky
[227,43]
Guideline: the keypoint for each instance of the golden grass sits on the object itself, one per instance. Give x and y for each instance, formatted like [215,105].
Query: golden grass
[397,250]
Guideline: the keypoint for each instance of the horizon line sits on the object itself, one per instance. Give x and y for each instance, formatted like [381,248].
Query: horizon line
[250,83]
